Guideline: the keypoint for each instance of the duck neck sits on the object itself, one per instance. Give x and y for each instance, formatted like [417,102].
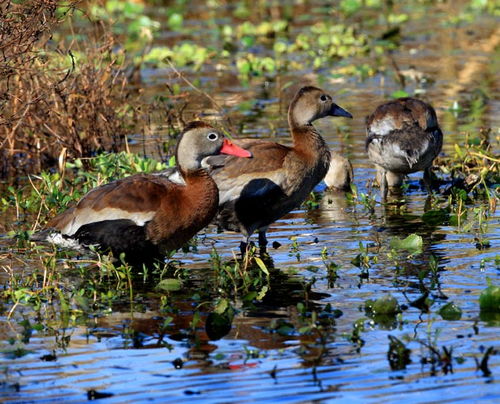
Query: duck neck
[308,143]
[300,126]
[195,175]
[298,117]
[308,140]
[201,189]
[304,134]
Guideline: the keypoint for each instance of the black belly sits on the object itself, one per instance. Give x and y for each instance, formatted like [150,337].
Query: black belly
[257,206]
[119,236]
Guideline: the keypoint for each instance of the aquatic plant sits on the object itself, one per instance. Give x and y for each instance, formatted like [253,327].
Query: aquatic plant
[398,354]
[247,279]
[252,65]
[182,55]
[450,311]
[126,19]
[489,300]
[474,166]
[413,244]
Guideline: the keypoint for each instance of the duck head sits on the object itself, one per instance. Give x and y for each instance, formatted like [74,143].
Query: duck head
[201,140]
[311,103]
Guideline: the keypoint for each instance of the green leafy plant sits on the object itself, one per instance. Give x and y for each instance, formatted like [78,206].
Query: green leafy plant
[489,300]
[186,54]
[413,244]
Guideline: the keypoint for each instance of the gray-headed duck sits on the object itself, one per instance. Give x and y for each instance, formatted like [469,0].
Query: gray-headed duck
[148,215]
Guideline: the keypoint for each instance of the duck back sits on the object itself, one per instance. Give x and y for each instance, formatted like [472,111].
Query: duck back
[403,136]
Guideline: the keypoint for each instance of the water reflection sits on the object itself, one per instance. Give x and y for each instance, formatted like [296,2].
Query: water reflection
[334,207]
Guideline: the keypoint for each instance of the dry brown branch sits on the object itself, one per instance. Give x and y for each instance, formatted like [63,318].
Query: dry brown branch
[49,101]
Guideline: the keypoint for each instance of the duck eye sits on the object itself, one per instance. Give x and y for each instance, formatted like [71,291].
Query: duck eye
[324,97]
[212,136]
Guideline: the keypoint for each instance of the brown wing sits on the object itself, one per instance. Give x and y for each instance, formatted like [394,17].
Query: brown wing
[401,113]
[266,157]
[136,198]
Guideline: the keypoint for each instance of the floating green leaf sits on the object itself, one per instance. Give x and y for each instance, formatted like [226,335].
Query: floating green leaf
[169,285]
[386,304]
[399,94]
[350,6]
[175,21]
[413,243]
[450,312]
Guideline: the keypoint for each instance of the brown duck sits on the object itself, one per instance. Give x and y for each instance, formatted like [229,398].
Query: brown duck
[253,193]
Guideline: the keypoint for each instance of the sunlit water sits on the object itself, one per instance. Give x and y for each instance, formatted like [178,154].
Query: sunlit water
[252,363]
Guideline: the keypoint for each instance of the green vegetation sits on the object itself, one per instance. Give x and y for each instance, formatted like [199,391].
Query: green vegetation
[413,244]
[384,305]
[489,300]
[49,193]
[450,312]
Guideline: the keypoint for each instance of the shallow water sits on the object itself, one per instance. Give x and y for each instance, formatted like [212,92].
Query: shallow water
[124,354]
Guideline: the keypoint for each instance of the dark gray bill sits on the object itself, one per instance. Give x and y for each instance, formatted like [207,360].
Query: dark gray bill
[338,111]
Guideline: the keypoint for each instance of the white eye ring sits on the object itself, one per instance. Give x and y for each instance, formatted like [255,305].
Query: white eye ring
[323,98]
[212,136]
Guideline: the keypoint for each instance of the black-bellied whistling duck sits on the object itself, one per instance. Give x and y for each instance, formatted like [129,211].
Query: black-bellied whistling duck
[147,215]
[339,176]
[403,137]
[253,193]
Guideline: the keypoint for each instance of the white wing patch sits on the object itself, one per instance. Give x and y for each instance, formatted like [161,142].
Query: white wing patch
[171,174]
[86,216]
[383,127]
[60,240]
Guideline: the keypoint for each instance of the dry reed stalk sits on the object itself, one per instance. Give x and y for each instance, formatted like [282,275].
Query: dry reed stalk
[48,105]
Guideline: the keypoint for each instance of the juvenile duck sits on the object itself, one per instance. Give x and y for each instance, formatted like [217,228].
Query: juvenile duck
[403,137]
[339,176]
[148,215]
[253,193]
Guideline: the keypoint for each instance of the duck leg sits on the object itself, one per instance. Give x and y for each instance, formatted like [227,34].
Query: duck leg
[383,185]
[244,247]
[262,241]
[428,179]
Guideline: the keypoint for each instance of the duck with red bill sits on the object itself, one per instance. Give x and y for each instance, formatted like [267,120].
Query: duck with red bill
[146,216]
[229,147]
